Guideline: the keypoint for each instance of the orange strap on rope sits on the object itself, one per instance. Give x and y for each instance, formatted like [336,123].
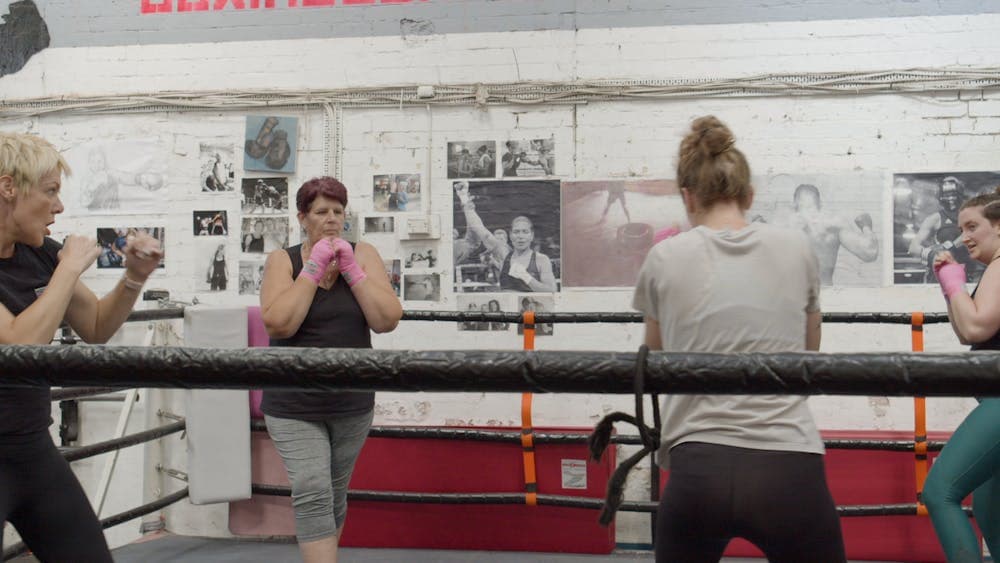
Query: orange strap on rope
[527,432]
[919,417]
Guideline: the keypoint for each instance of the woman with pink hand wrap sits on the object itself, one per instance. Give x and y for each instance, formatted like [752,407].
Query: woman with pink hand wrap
[970,462]
[325,292]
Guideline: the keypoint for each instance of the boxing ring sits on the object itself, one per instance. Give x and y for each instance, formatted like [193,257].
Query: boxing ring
[81,371]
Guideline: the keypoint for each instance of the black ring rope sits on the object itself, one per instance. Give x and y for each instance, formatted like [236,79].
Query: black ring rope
[583,317]
[90,450]
[158,504]
[902,374]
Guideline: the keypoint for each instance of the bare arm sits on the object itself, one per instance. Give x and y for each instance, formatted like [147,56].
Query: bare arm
[814,327]
[859,241]
[547,280]
[284,301]
[374,293]
[977,320]
[930,223]
[38,323]
[652,338]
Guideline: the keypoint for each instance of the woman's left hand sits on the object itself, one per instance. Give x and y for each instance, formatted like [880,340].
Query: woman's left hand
[142,256]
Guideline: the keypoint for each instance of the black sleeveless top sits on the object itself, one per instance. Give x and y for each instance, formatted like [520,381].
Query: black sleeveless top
[334,320]
[23,276]
[994,341]
[510,283]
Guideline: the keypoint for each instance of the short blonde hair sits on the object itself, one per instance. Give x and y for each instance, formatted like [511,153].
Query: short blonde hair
[26,158]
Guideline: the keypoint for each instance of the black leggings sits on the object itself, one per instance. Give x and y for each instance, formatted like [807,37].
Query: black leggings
[777,500]
[41,497]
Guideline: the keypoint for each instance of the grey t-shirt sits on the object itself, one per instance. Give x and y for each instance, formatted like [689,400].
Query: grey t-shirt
[733,291]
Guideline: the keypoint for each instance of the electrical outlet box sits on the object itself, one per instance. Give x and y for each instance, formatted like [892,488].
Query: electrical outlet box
[421,227]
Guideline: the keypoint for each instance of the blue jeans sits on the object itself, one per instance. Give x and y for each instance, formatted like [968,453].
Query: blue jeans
[319,457]
[969,463]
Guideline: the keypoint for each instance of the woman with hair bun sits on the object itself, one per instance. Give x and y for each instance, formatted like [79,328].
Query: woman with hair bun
[747,466]
[970,461]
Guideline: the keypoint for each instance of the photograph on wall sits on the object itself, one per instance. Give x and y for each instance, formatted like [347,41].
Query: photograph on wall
[396,192]
[840,214]
[528,158]
[472,159]
[422,287]
[218,173]
[393,270]
[538,304]
[210,223]
[506,236]
[270,144]
[379,225]
[113,241]
[265,195]
[616,220]
[483,303]
[262,235]
[211,272]
[418,254]
[251,274]
[925,221]
[116,177]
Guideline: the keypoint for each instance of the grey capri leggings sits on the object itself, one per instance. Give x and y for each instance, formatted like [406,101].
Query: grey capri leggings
[319,457]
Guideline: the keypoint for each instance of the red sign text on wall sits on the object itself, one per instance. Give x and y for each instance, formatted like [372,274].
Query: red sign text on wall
[167,6]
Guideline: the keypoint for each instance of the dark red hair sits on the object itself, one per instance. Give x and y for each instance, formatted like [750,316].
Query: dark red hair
[325,186]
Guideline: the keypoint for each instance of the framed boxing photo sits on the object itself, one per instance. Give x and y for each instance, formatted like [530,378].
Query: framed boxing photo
[925,209]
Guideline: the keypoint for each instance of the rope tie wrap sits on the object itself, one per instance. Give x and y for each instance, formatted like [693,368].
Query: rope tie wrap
[599,439]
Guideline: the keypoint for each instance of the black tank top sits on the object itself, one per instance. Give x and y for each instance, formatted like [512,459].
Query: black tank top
[334,320]
[510,283]
[23,276]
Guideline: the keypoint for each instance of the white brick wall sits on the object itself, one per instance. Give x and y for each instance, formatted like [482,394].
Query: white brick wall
[834,134]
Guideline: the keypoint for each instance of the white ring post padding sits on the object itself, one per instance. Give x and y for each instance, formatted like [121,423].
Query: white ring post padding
[218,421]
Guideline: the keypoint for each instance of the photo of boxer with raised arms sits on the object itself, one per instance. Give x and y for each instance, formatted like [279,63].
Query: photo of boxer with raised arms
[840,215]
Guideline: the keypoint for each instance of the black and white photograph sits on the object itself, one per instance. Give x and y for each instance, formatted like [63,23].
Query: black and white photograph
[418,254]
[393,270]
[379,225]
[396,192]
[265,196]
[925,221]
[218,174]
[211,272]
[506,236]
[116,177]
[618,221]
[113,241]
[538,304]
[421,287]
[472,159]
[262,235]
[840,214]
[483,303]
[251,274]
[210,223]
[271,142]
[528,158]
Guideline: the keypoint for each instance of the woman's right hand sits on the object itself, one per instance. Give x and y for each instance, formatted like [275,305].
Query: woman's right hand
[79,252]
[942,258]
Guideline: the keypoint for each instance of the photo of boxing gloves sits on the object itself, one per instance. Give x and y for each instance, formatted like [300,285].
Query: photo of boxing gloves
[506,236]
[925,221]
[618,221]
[840,214]
[270,143]
[217,171]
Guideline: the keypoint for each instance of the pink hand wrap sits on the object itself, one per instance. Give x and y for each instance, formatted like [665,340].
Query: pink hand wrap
[319,259]
[951,276]
[349,268]
[666,233]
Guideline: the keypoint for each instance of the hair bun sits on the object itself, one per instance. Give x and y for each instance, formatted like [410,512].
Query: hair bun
[714,138]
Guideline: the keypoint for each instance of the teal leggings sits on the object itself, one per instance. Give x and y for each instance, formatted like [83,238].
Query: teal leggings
[969,463]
